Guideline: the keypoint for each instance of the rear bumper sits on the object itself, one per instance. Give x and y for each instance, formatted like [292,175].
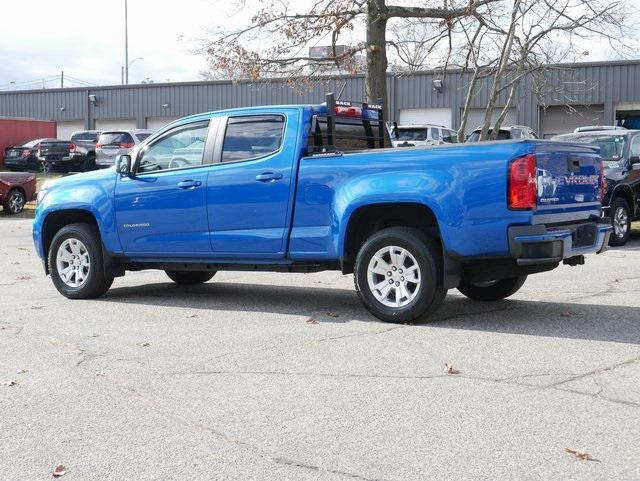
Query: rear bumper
[539,244]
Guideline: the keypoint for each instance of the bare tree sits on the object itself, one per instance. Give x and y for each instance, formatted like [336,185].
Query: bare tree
[522,39]
[276,40]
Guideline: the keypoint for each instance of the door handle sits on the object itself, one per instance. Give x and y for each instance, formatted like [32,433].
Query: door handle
[268,176]
[189,184]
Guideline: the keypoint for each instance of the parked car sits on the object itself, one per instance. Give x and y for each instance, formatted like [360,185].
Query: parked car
[597,128]
[65,156]
[620,151]
[512,132]
[421,135]
[113,143]
[23,157]
[277,189]
[87,140]
[16,189]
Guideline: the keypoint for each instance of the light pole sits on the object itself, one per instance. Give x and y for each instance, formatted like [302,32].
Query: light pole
[126,45]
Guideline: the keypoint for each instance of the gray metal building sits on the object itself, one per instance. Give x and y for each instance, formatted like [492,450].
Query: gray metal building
[574,95]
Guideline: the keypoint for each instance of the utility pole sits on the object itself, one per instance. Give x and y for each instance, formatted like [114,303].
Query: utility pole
[126,45]
[62,79]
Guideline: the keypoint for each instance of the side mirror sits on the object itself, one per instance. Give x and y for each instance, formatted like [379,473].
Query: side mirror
[123,164]
[634,159]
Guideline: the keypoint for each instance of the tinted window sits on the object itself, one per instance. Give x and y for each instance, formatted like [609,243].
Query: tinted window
[141,137]
[411,133]
[180,148]
[435,135]
[85,137]
[115,138]
[502,135]
[450,136]
[611,146]
[252,137]
[635,147]
[351,134]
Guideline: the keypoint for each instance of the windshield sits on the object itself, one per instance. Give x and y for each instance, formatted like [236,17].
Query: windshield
[414,133]
[502,135]
[85,137]
[611,146]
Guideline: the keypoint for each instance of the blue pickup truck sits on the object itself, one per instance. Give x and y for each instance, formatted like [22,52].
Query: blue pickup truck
[308,188]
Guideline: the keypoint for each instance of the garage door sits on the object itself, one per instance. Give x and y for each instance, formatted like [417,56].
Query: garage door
[476,118]
[154,123]
[425,116]
[115,124]
[65,129]
[561,119]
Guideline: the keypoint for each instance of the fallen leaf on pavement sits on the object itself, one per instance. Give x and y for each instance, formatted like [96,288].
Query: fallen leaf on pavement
[191,316]
[24,277]
[60,470]
[93,335]
[580,454]
[36,307]
[22,371]
[333,314]
[567,314]
[143,344]
[9,383]
[311,321]
[100,374]
[449,369]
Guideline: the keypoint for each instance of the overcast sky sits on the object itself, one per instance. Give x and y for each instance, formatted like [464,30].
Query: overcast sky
[85,38]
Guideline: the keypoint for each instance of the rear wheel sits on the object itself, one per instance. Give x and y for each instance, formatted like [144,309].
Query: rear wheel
[492,290]
[188,278]
[15,201]
[46,167]
[75,262]
[397,275]
[621,221]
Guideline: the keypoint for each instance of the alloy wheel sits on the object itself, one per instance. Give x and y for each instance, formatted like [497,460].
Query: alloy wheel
[620,222]
[73,262]
[393,276]
[16,202]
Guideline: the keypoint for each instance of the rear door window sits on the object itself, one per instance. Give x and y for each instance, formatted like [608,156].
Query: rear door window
[252,137]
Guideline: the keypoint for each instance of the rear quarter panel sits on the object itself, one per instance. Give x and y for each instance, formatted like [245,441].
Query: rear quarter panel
[463,184]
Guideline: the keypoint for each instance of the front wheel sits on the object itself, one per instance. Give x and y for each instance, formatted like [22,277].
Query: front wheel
[15,201]
[397,275]
[75,262]
[46,167]
[621,220]
[492,290]
[188,278]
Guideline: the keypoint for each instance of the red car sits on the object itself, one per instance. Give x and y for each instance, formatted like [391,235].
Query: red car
[16,189]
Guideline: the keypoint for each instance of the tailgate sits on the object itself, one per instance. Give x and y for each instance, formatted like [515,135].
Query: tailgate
[54,148]
[569,181]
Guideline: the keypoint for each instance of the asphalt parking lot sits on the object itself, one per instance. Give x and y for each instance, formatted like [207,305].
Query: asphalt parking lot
[287,377]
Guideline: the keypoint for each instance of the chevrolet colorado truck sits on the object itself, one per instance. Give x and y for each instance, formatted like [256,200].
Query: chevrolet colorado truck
[312,187]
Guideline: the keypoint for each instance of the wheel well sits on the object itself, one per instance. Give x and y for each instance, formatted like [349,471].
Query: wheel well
[628,198]
[369,219]
[57,220]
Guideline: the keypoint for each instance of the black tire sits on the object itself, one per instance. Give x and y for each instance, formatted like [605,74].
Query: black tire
[89,163]
[619,211]
[189,278]
[428,256]
[14,202]
[492,291]
[95,283]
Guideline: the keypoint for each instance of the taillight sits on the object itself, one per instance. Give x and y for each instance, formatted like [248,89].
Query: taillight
[523,185]
[72,147]
[126,145]
[25,153]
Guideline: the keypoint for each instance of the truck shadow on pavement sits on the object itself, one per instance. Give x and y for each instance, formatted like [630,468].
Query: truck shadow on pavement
[571,320]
